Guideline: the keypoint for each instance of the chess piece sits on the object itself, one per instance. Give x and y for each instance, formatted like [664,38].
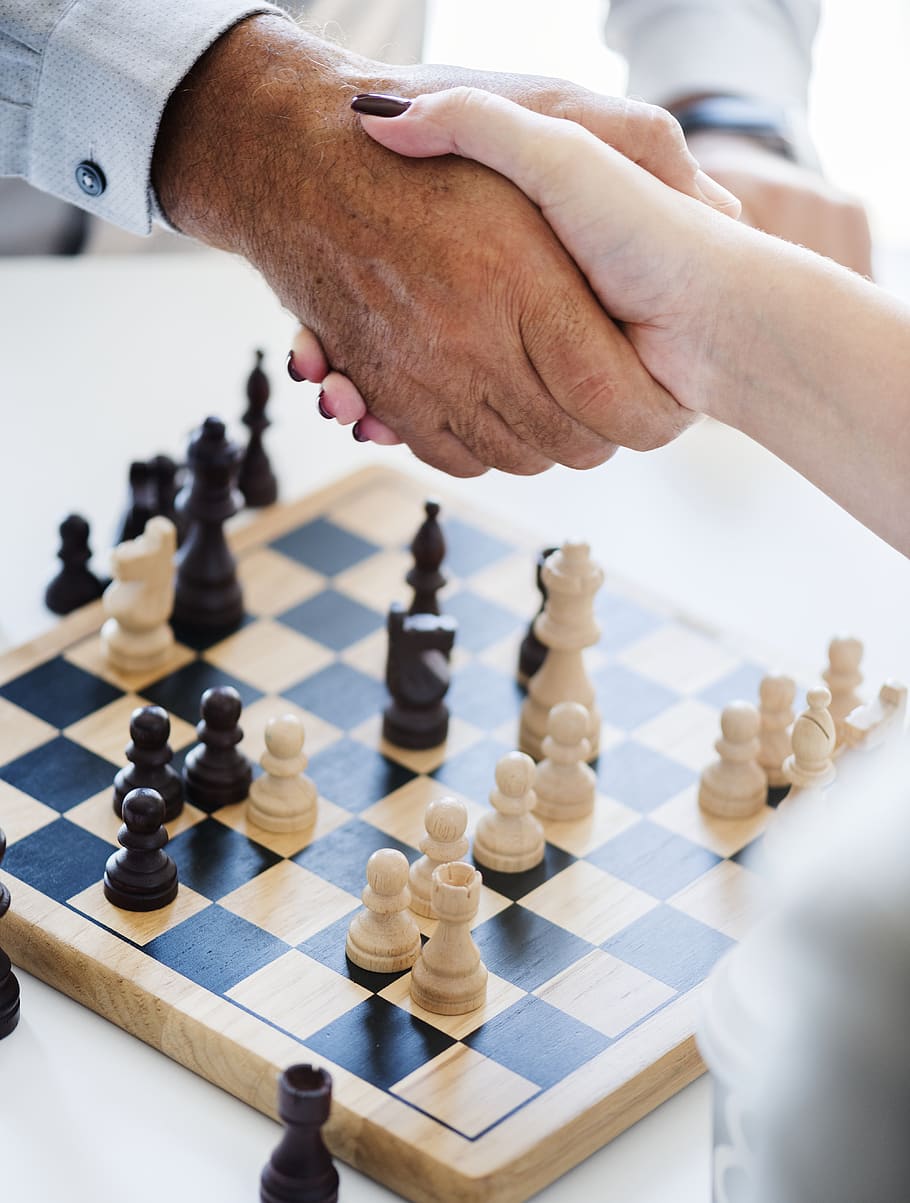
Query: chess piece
[445,840]
[143,502]
[843,678]
[164,476]
[566,627]
[449,978]
[510,839]
[810,766]
[734,786]
[776,693]
[871,725]
[256,480]
[383,938]
[141,876]
[208,595]
[136,636]
[428,550]
[565,783]
[150,757]
[284,799]
[532,652]
[417,677]
[216,772]
[300,1169]
[9,985]
[74,585]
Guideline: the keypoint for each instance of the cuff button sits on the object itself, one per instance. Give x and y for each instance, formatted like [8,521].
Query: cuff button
[90,178]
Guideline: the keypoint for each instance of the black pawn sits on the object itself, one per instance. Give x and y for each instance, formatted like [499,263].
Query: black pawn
[417,676]
[208,595]
[150,755]
[428,550]
[257,481]
[143,502]
[9,986]
[74,585]
[141,876]
[532,652]
[164,476]
[216,772]
[300,1170]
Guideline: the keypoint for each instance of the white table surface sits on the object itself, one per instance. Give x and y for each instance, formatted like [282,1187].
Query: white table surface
[109,360]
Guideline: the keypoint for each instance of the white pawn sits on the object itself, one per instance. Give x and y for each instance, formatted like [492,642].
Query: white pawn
[284,799]
[445,821]
[510,839]
[139,600]
[383,938]
[843,678]
[565,783]
[776,694]
[449,978]
[734,786]
[811,764]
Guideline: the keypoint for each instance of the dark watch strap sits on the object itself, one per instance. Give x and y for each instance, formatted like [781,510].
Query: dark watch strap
[738,115]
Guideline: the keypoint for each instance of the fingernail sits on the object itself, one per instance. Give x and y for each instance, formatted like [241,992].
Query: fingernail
[321,406]
[292,371]
[715,194]
[358,434]
[377,105]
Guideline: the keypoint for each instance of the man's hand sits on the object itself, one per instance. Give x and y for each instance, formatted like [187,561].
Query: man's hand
[783,198]
[436,287]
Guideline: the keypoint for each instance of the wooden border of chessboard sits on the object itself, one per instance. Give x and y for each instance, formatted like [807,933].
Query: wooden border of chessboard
[518,1157]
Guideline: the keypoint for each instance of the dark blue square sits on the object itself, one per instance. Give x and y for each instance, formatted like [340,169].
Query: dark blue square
[525,948]
[341,695]
[623,621]
[60,774]
[538,1042]
[341,856]
[468,548]
[216,949]
[670,946]
[214,859]
[181,692]
[627,700]
[354,776]
[59,692]
[333,619]
[323,546]
[328,947]
[472,772]
[481,622]
[484,696]
[639,777]
[517,885]
[379,1042]
[653,859]
[741,684]
[59,860]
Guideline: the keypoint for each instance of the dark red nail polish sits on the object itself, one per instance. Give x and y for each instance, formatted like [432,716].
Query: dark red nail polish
[376,105]
[292,371]
[320,405]
[358,433]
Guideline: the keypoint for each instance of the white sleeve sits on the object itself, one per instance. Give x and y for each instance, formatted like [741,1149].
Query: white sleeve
[83,84]
[677,48]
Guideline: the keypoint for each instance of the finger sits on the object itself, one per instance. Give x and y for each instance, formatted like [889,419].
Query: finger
[374,431]
[341,399]
[306,360]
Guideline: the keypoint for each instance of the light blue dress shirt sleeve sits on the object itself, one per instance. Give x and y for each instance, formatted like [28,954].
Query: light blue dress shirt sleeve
[86,82]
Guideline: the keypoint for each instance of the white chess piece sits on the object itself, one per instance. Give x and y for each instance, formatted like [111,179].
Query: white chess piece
[139,601]
[383,937]
[445,820]
[734,786]
[449,978]
[776,694]
[510,839]
[565,784]
[871,725]
[811,764]
[284,799]
[843,678]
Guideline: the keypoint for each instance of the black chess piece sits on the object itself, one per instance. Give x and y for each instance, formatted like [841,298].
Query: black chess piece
[208,595]
[532,652]
[150,755]
[9,986]
[257,481]
[300,1169]
[141,876]
[74,585]
[143,502]
[164,476]
[417,676]
[428,549]
[216,772]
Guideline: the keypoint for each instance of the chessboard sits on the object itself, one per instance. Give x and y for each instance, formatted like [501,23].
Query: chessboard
[596,957]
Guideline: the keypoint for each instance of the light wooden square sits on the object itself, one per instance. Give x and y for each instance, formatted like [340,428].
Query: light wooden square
[401,814]
[139,926]
[500,996]
[379,580]
[680,658]
[512,583]
[106,732]
[284,843]
[20,814]
[273,583]
[386,513]
[270,656]
[317,733]
[685,732]
[290,902]
[683,815]
[461,735]
[90,655]
[21,732]
[581,836]
[298,994]
[728,898]
[369,655]
[605,993]
[589,902]
[465,1089]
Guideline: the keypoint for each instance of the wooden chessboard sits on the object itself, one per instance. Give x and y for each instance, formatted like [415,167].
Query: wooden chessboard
[596,957]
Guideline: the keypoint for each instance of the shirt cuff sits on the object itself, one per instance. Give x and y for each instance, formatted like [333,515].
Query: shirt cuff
[107,74]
